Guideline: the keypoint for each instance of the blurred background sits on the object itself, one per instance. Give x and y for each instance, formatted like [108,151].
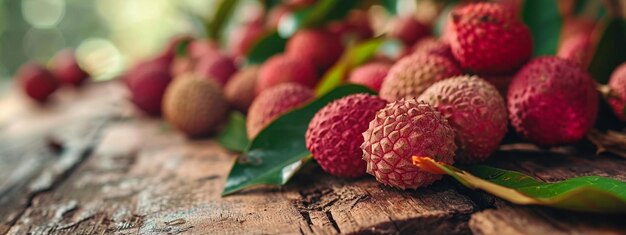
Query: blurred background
[108,34]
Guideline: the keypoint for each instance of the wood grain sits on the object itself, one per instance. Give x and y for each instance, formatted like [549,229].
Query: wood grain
[89,164]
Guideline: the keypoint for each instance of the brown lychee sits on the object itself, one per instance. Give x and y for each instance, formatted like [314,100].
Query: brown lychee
[194,105]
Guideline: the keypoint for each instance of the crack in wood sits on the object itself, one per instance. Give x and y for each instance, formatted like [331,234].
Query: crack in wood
[71,158]
[332,221]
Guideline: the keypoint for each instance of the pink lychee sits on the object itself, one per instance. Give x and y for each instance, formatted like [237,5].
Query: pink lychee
[334,136]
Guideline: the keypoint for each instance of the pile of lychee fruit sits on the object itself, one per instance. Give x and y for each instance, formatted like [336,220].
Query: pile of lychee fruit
[39,82]
[450,98]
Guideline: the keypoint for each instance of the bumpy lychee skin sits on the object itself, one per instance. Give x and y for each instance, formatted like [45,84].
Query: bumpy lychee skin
[36,81]
[274,102]
[552,101]
[408,30]
[476,111]
[216,66]
[617,98]
[194,105]
[240,89]
[488,39]
[319,47]
[148,88]
[284,69]
[67,70]
[370,75]
[411,75]
[334,136]
[401,130]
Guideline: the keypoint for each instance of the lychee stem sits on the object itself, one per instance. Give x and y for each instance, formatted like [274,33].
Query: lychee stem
[427,164]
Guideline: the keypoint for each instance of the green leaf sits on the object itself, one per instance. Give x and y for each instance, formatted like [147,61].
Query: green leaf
[352,57]
[279,150]
[269,45]
[390,6]
[585,194]
[545,22]
[610,50]
[222,15]
[234,136]
[321,12]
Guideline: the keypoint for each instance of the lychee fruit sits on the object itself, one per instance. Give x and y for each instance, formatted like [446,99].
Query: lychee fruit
[356,26]
[129,77]
[433,46]
[334,136]
[411,75]
[36,81]
[274,102]
[240,90]
[552,101]
[617,97]
[319,47]
[245,36]
[148,88]
[476,111]
[67,69]
[283,69]
[370,75]
[194,105]
[488,39]
[576,48]
[408,30]
[403,129]
[216,66]
[202,47]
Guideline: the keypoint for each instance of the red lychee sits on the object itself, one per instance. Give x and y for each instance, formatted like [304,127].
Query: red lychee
[245,36]
[319,47]
[488,39]
[36,81]
[408,30]
[334,136]
[148,88]
[216,66]
[202,47]
[67,69]
[130,75]
[433,46]
[403,129]
[411,75]
[617,97]
[283,69]
[274,102]
[552,101]
[356,26]
[240,90]
[476,111]
[370,75]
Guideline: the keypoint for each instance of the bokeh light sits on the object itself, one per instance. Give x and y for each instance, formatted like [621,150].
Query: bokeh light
[101,58]
[43,13]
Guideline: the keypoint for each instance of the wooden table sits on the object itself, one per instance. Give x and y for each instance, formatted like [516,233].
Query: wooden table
[89,164]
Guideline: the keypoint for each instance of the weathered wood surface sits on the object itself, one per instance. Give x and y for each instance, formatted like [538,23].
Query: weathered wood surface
[88,164]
